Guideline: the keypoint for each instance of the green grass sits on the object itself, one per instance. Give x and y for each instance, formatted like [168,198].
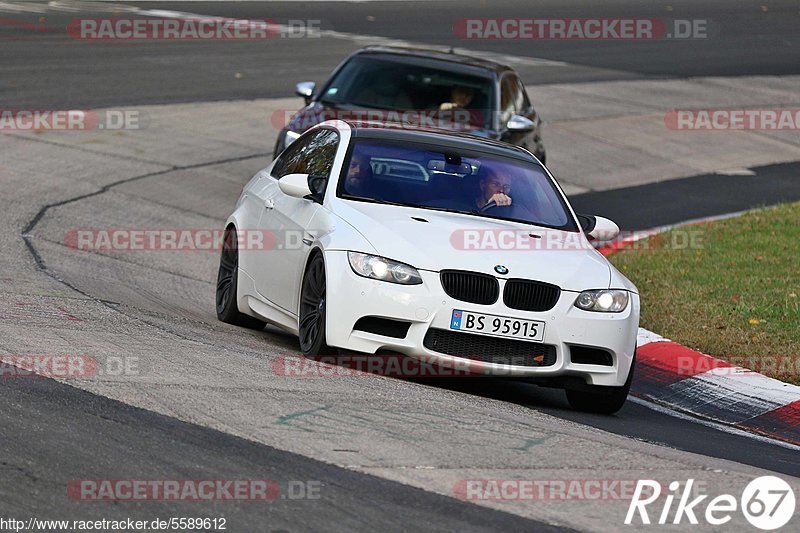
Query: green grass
[729,288]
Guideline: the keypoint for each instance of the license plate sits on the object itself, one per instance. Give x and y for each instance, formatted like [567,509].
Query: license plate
[501,326]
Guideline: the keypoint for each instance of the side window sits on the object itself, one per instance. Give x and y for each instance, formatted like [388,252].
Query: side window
[312,154]
[506,99]
[521,103]
[526,103]
[290,158]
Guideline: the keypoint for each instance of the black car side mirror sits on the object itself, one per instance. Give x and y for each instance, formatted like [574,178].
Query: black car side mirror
[305,89]
[587,222]
[317,185]
[520,123]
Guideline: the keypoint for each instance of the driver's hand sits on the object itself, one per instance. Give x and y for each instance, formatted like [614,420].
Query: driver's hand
[501,199]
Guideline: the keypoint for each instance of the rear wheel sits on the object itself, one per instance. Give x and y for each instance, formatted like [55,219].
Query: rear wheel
[312,310]
[227,283]
[602,400]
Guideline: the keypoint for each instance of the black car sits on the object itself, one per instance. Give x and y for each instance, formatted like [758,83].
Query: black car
[422,88]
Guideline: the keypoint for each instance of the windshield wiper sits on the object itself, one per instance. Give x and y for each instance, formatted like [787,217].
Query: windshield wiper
[519,220]
[374,200]
[453,210]
[330,103]
[373,106]
[399,204]
[446,209]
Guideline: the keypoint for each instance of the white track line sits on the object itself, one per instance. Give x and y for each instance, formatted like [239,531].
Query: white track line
[721,427]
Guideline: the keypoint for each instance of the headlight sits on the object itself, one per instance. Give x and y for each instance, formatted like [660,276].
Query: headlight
[604,300]
[290,137]
[374,267]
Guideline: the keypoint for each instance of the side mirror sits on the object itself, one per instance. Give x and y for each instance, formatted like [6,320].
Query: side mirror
[520,123]
[598,228]
[303,186]
[305,89]
[295,185]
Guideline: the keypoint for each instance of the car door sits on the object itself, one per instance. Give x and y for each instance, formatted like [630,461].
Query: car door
[287,222]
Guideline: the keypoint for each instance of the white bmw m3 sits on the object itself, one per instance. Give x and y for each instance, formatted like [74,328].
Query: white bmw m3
[370,238]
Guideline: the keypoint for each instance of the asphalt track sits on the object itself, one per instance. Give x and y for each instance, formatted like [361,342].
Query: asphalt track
[674,201]
[60,71]
[53,433]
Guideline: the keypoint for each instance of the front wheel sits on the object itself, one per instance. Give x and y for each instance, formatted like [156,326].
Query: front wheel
[602,400]
[312,310]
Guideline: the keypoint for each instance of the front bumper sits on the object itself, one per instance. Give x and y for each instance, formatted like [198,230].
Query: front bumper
[351,297]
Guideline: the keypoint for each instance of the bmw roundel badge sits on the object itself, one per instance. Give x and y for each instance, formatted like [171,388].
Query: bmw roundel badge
[501,269]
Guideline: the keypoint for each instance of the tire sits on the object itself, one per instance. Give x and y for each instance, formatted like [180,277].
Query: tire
[227,285]
[601,400]
[311,325]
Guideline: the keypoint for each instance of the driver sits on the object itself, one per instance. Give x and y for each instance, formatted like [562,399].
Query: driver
[494,187]
[359,176]
[460,97]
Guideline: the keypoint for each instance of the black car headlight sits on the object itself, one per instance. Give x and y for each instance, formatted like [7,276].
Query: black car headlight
[375,267]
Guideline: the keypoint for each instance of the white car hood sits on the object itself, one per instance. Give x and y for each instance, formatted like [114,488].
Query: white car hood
[558,257]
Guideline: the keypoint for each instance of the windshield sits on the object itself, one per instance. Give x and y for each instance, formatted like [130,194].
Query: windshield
[427,176]
[379,83]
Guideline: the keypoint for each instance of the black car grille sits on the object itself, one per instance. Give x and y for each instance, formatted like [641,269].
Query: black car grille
[529,295]
[470,286]
[489,349]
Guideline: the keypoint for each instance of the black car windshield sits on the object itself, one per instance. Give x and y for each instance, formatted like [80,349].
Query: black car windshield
[445,98]
[431,177]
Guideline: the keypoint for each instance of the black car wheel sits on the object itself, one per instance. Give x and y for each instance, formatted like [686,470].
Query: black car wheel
[312,309]
[227,283]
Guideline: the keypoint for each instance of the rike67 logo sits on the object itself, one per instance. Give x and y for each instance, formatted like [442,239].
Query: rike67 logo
[767,502]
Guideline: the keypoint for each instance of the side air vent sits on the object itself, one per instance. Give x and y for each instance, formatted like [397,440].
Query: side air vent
[587,355]
[387,327]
